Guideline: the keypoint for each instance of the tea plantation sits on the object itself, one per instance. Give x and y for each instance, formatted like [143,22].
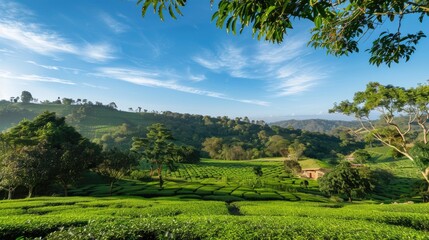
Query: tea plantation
[169,218]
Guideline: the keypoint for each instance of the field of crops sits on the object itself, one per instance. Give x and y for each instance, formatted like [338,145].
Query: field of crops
[139,218]
[216,180]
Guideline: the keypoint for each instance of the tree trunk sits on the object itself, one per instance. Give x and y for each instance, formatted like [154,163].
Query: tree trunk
[30,191]
[111,187]
[161,181]
[66,190]
[9,194]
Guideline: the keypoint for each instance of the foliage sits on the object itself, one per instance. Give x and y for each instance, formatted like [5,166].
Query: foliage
[115,165]
[361,156]
[258,171]
[156,147]
[26,97]
[392,102]
[338,27]
[292,166]
[296,150]
[344,179]
[47,147]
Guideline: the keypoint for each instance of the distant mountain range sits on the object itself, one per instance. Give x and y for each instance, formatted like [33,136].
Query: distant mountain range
[316,125]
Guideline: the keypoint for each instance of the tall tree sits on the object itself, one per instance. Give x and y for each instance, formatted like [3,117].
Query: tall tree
[339,26]
[72,153]
[115,165]
[10,172]
[213,146]
[26,97]
[156,147]
[394,103]
[296,150]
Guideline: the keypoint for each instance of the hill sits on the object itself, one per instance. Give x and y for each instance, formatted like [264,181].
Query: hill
[316,125]
[111,127]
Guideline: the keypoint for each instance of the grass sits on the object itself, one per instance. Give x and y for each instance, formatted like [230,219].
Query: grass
[175,218]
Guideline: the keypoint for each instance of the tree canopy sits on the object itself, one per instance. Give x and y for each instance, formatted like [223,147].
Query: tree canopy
[338,26]
[403,113]
[156,148]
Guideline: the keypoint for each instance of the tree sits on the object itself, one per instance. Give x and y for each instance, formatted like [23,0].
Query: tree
[296,150]
[339,26]
[393,103]
[115,165]
[213,146]
[112,105]
[67,101]
[10,173]
[276,146]
[26,97]
[292,166]
[36,164]
[48,138]
[344,179]
[156,147]
[361,156]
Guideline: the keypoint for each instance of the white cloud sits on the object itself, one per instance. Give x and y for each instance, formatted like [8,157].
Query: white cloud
[5,75]
[158,80]
[43,66]
[113,24]
[282,66]
[18,32]
[32,37]
[228,58]
[98,52]
[95,86]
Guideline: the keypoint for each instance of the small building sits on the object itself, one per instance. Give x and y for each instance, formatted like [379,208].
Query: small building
[313,173]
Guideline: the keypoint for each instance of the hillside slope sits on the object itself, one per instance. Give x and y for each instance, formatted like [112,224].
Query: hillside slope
[316,125]
[111,127]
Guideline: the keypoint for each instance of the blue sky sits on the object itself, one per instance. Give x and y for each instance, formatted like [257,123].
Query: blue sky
[105,51]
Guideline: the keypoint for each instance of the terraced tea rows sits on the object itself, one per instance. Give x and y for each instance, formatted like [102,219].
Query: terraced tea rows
[138,218]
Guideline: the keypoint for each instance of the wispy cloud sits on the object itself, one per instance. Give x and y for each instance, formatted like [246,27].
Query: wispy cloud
[158,80]
[114,25]
[283,67]
[43,66]
[98,52]
[5,75]
[95,86]
[17,31]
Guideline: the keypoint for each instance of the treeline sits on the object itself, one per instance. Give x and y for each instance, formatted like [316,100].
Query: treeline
[237,138]
[47,151]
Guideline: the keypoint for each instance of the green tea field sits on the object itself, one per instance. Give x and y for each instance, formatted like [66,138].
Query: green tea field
[170,218]
[216,180]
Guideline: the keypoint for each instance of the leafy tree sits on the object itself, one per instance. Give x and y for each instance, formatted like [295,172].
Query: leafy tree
[26,97]
[75,157]
[185,154]
[277,145]
[344,179]
[213,146]
[338,27]
[296,150]
[67,101]
[115,165]
[156,147]
[361,156]
[393,103]
[36,165]
[10,173]
[47,137]
[292,166]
